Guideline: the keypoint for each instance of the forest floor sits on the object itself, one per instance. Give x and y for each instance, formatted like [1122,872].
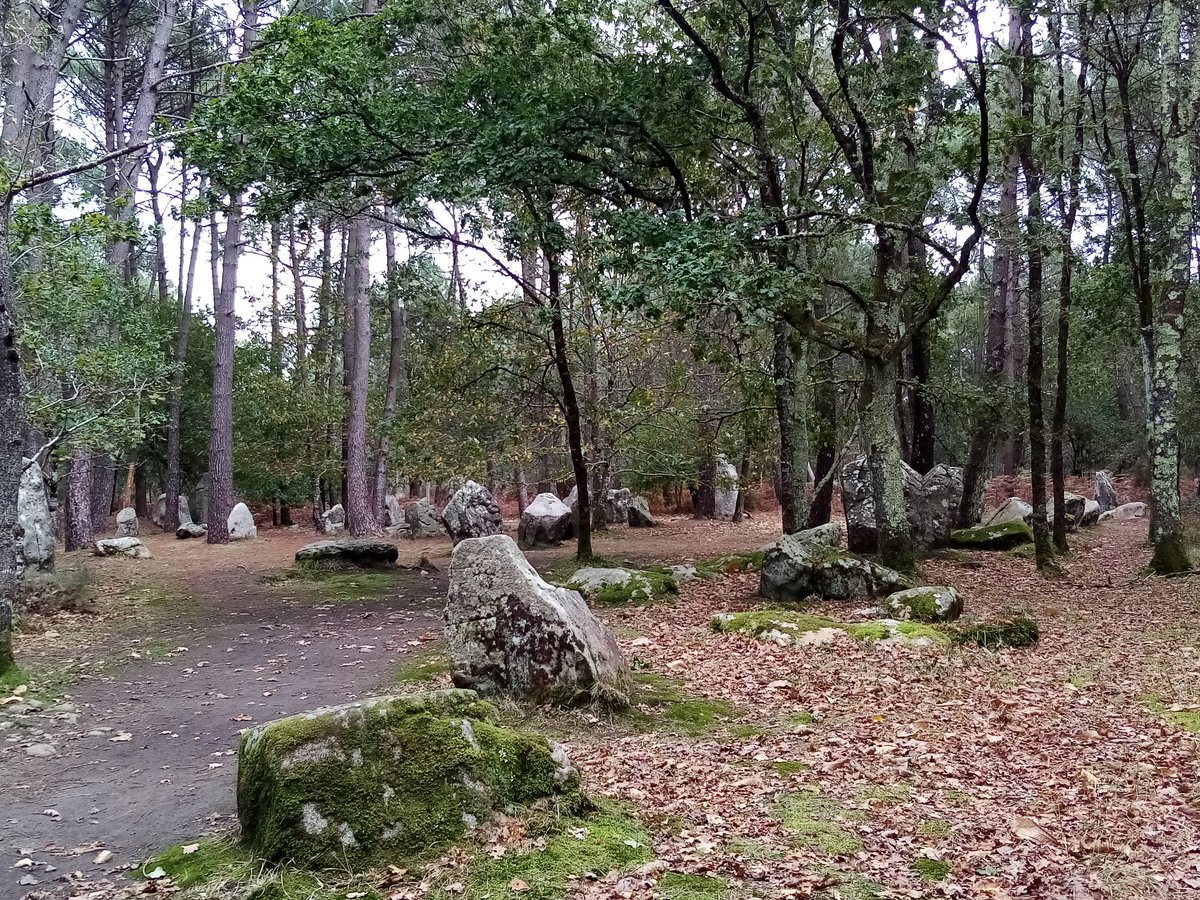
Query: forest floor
[848,769]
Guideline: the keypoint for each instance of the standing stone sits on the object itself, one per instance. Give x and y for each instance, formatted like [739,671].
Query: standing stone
[1074,505]
[639,513]
[859,506]
[160,511]
[616,506]
[333,519]
[509,632]
[545,522]
[241,523]
[726,489]
[36,548]
[1091,514]
[127,522]
[472,512]
[930,503]
[422,519]
[1105,492]
[395,510]
[199,504]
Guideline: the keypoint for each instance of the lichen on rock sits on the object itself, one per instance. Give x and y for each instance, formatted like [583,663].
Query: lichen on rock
[931,603]
[809,565]
[614,586]
[1003,536]
[387,778]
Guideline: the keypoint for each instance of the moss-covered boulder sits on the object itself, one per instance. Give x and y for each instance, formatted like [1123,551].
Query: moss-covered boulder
[613,586]
[348,554]
[509,632]
[925,604]
[1004,536]
[387,778]
[790,628]
[807,565]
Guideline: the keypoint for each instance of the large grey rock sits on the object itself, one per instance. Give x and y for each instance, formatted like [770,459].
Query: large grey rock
[127,522]
[726,495]
[241,523]
[930,503]
[545,522]
[1074,505]
[199,502]
[36,546]
[348,554]
[1091,514]
[1014,509]
[509,632]
[616,506]
[422,519]
[1105,492]
[808,565]
[609,585]
[160,510]
[639,513]
[333,519]
[191,530]
[387,778]
[1124,512]
[472,512]
[124,546]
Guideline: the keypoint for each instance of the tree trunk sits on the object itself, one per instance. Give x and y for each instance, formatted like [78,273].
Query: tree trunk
[790,376]
[79,531]
[876,406]
[103,484]
[175,398]
[1166,523]
[583,524]
[825,409]
[395,376]
[12,425]
[522,487]
[924,421]
[220,438]
[360,516]
[1043,550]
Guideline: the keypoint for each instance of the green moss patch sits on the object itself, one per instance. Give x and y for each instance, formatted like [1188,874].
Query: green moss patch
[659,702]
[933,828]
[850,886]
[207,860]
[786,767]
[337,584]
[817,821]
[1018,632]
[889,794]
[681,886]
[424,665]
[622,587]
[931,869]
[1004,536]
[730,564]
[1185,719]
[608,840]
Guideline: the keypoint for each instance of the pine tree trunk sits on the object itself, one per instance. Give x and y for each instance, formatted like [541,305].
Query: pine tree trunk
[220,437]
[396,350]
[360,516]
[522,487]
[1043,549]
[789,363]
[79,531]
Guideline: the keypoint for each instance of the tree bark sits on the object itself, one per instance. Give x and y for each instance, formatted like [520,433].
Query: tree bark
[924,421]
[876,406]
[79,531]
[12,425]
[790,376]
[1043,549]
[360,516]
[397,325]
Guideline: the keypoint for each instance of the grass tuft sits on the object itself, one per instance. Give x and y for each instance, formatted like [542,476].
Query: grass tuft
[814,822]
[681,886]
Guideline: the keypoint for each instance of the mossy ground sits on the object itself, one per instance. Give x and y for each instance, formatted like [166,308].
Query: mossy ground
[338,584]
[660,703]
[210,860]
[1185,719]
[422,666]
[681,886]
[760,623]
[932,828]
[1014,633]
[818,822]
[608,840]
[931,869]
[730,564]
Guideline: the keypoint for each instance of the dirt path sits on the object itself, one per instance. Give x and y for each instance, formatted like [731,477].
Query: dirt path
[144,754]
[195,645]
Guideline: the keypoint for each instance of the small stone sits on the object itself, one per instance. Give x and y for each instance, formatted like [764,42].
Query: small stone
[129,547]
[42,751]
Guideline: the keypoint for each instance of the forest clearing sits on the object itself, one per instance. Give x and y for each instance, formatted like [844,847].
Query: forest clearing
[578,449]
